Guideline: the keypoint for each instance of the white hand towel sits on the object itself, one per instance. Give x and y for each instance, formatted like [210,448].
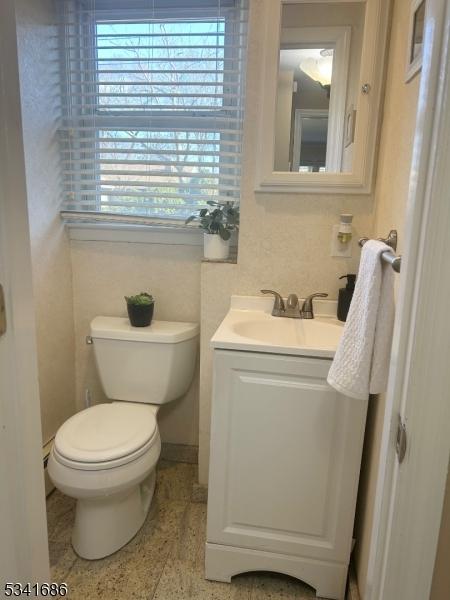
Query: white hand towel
[361,363]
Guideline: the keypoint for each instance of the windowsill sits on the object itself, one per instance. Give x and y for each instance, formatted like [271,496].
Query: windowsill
[137,234]
[144,234]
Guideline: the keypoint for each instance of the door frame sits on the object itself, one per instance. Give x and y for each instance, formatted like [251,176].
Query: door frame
[23,544]
[407,514]
[299,114]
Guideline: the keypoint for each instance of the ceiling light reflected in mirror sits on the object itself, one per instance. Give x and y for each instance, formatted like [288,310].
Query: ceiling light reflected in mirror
[317,64]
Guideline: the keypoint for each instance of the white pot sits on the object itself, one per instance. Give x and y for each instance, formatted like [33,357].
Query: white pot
[215,248]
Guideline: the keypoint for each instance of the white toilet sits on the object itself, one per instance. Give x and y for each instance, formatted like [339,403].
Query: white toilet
[105,455]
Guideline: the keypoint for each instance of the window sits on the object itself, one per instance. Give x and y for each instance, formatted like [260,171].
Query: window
[153,106]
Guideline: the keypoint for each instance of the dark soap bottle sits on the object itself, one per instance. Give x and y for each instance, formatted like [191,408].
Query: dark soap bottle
[345,296]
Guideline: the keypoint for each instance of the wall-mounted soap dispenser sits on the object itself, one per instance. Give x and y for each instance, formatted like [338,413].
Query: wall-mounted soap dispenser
[345,296]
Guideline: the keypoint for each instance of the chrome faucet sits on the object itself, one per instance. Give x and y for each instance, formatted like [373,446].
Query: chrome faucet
[292,309]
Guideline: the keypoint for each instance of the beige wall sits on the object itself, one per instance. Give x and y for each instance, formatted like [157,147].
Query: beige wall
[284,241]
[103,273]
[49,242]
[391,196]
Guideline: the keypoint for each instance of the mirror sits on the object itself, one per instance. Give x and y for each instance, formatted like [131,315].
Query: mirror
[318,75]
[322,91]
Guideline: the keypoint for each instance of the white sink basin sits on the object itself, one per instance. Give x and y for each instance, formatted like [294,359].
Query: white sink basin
[249,326]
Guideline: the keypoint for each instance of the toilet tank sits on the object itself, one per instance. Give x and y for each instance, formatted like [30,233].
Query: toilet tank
[152,364]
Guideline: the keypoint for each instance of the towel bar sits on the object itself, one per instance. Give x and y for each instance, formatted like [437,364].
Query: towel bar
[391,240]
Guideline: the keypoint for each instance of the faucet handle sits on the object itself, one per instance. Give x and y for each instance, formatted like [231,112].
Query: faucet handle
[278,305]
[307,308]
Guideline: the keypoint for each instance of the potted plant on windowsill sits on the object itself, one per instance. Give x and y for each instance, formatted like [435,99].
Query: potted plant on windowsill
[140,309]
[218,222]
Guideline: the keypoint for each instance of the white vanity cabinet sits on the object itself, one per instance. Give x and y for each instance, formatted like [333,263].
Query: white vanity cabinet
[284,469]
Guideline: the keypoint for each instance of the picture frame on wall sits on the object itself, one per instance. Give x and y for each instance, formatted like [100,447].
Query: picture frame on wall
[415,39]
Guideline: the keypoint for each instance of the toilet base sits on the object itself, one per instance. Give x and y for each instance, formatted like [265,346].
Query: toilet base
[104,525]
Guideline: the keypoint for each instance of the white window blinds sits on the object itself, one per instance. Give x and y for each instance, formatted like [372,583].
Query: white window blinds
[153,98]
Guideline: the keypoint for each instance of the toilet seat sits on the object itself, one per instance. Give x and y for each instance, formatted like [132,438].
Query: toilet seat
[106,436]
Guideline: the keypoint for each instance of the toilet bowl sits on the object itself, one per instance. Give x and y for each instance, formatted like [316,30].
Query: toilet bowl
[105,456]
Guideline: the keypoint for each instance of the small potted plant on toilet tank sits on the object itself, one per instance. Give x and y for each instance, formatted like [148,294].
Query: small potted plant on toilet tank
[218,221]
[140,309]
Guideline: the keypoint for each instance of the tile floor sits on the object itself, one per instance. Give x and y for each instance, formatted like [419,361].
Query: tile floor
[165,559]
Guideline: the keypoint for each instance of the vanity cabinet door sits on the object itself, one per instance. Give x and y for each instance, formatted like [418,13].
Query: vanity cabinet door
[285,456]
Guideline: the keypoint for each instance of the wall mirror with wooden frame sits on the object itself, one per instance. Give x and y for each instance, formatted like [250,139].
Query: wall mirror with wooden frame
[321,95]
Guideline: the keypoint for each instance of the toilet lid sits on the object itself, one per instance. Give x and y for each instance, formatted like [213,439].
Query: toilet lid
[106,432]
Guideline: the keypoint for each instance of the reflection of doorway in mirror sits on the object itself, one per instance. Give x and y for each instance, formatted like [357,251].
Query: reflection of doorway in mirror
[310,141]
